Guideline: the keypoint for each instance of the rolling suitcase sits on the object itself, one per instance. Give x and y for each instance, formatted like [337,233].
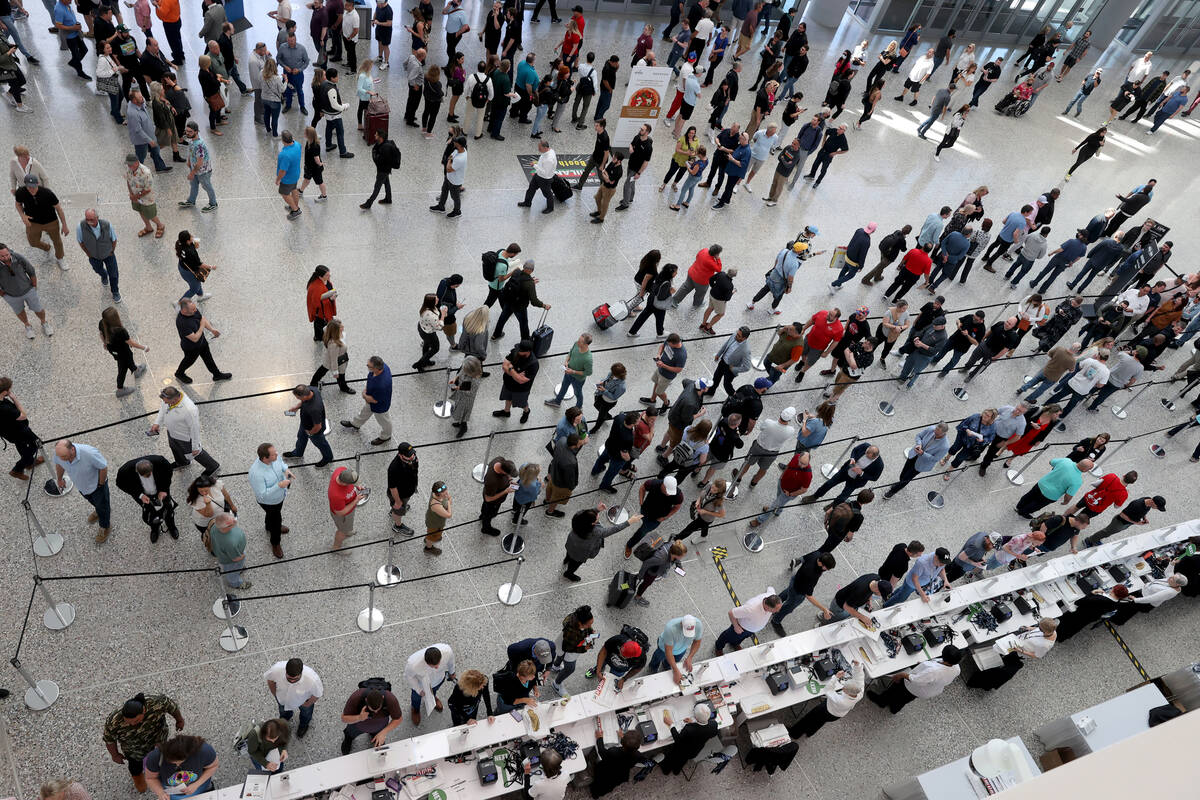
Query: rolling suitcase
[543,337]
[620,589]
[608,314]
[375,122]
[560,188]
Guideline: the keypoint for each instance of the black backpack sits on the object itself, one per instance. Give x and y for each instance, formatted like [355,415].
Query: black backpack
[587,84]
[380,684]
[490,259]
[479,92]
[393,153]
[637,635]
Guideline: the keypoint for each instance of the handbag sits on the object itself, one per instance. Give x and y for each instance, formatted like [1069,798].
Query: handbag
[110,84]
[216,102]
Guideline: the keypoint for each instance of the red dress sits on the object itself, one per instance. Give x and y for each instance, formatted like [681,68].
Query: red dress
[1023,445]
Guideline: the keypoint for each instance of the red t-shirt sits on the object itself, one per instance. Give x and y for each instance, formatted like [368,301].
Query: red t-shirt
[703,268]
[917,261]
[1110,492]
[580,22]
[795,478]
[822,333]
[341,496]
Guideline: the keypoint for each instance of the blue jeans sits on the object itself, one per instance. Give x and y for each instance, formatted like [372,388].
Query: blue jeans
[1050,272]
[1089,271]
[306,713]
[571,383]
[913,365]
[271,117]
[295,83]
[647,526]
[729,638]
[1020,267]
[1041,381]
[1190,330]
[1076,101]
[789,87]
[107,268]
[114,107]
[688,188]
[791,601]
[415,699]
[231,573]
[615,464]
[927,124]
[776,507]
[905,590]
[848,272]
[302,439]
[603,101]
[140,151]
[100,500]
[202,179]
[195,288]
[539,118]
[955,357]
[12,32]
[335,126]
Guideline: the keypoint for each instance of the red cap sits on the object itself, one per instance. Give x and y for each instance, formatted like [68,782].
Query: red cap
[631,649]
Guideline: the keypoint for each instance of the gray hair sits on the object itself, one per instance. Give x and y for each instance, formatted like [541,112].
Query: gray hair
[375,362]
[286,136]
[224,519]
[941,427]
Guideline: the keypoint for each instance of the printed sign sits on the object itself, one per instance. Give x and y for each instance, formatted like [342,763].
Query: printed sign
[647,98]
[570,167]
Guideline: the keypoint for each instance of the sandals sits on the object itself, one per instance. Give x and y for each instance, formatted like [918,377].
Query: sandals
[146,232]
[158,234]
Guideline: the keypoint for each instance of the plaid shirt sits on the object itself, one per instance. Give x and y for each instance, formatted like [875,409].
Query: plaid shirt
[140,180]
[1079,48]
[136,741]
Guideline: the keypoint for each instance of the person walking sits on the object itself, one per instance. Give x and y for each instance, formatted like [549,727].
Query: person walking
[18,288]
[519,293]
[192,327]
[41,213]
[834,144]
[1062,482]
[135,729]
[1087,148]
[312,424]
[199,168]
[180,418]
[88,471]
[98,241]
[699,275]
[915,265]
[544,171]
[454,173]
[147,480]
[270,480]
[577,368]
[386,157]
[930,445]
[1134,512]
[287,173]
[140,183]
[610,178]
[732,359]
[314,166]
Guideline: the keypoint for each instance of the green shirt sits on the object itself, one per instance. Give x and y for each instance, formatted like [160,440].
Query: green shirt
[228,546]
[501,269]
[580,362]
[502,84]
[1064,478]
[135,741]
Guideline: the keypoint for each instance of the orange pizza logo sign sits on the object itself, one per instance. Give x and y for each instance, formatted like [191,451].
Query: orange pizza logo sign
[645,103]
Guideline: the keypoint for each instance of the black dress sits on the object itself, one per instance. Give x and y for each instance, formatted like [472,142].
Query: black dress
[313,170]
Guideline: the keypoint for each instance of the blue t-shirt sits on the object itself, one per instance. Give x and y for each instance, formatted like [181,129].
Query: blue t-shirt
[380,387]
[816,433]
[526,75]
[1071,249]
[63,15]
[1172,105]
[741,155]
[455,20]
[289,161]
[1013,222]
[674,639]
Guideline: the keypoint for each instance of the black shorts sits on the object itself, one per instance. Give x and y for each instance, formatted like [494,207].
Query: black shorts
[315,174]
[913,86]
[134,763]
[685,111]
[1069,61]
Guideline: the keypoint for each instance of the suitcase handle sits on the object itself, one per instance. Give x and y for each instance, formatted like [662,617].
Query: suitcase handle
[543,319]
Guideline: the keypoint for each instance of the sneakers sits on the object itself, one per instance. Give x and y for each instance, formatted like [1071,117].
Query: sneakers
[29,334]
[62,265]
[116,297]
[125,391]
[294,214]
[641,601]
[209,207]
[47,328]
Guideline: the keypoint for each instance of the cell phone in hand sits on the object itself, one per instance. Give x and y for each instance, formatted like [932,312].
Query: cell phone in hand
[289,413]
[150,432]
[679,570]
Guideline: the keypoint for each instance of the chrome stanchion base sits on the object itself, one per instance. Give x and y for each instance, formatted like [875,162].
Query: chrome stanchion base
[1026,379]
[886,408]
[1158,451]
[219,610]
[828,469]
[935,499]
[1119,412]
[478,472]
[513,544]
[47,545]
[59,617]
[52,490]
[387,575]
[234,638]
[753,542]
[363,497]
[1097,471]
[759,364]
[510,594]
[962,394]
[732,492]
[370,620]
[40,702]
[617,515]
[1014,478]
[443,409]
[1167,403]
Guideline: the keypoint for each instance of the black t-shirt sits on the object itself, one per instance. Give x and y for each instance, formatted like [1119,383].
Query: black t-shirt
[1000,339]
[468,707]
[639,152]
[11,428]
[40,208]
[928,313]
[312,410]
[526,365]
[601,147]
[612,174]
[187,325]
[855,331]
[721,286]
[617,662]
[1136,510]
[834,142]
[619,438]
[971,325]
[896,563]
[992,71]
[118,340]
[103,29]
[804,582]
[402,477]
[723,443]
[657,503]
[856,593]
[608,74]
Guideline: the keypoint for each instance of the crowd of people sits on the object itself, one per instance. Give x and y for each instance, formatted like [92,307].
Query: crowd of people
[1140,316]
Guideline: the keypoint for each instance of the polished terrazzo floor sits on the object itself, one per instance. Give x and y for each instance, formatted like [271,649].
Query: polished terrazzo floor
[157,633]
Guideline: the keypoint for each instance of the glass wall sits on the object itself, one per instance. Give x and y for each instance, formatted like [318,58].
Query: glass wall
[994,19]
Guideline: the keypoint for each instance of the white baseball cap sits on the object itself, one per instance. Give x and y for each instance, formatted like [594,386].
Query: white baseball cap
[669,484]
[788,414]
[689,625]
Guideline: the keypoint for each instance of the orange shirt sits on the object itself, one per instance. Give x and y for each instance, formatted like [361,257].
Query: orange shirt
[168,10]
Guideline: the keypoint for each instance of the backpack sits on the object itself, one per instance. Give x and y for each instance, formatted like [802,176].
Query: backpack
[512,291]
[637,635]
[683,452]
[380,684]
[891,242]
[587,83]
[479,92]
[490,259]
[394,163]
[240,744]
[647,548]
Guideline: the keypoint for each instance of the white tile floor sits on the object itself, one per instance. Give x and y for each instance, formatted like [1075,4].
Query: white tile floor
[157,634]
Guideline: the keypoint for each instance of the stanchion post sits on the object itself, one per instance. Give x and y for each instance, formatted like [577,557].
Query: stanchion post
[1118,409]
[1000,316]
[58,615]
[444,408]
[935,498]
[370,619]
[45,544]
[234,637]
[1099,473]
[510,593]
[828,469]
[513,543]
[1014,475]
[760,363]
[389,573]
[619,513]
[41,694]
[218,607]
[888,407]
[480,470]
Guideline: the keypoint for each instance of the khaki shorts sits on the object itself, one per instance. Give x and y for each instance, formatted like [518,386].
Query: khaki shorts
[717,305]
[661,382]
[555,494]
[743,42]
[344,524]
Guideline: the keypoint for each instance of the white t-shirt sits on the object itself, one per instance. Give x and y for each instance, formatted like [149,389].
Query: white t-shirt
[1031,642]
[217,495]
[293,695]
[350,22]
[704,29]
[547,163]
[839,704]
[773,435]
[921,69]
[283,12]
[550,788]
[1090,374]
[1137,303]
[753,616]
[422,677]
[929,678]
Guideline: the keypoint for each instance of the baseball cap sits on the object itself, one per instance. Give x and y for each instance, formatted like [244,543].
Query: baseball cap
[788,414]
[798,247]
[688,623]
[812,229]
[701,384]
[862,311]
[405,449]
[870,227]
[670,485]
[939,320]
[631,649]
[763,383]
[541,651]
[130,158]
[32,180]
[1160,502]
